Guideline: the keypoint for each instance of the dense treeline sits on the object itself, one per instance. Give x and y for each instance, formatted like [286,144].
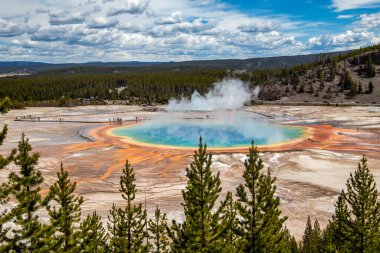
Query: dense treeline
[138,87]
[251,222]
[141,85]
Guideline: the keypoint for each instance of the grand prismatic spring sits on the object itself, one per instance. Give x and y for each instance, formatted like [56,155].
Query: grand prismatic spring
[216,133]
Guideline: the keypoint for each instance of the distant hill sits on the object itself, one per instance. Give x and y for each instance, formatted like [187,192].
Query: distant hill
[351,78]
[348,77]
[104,67]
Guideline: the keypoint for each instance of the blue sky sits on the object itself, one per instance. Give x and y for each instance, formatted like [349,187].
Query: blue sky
[177,30]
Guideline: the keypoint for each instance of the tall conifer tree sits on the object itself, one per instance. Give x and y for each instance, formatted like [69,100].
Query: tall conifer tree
[4,189]
[28,232]
[339,226]
[202,229]
[157,228]
[311,240]
[128,225]
[65,214]
[93,235]
[364,205]
[260,224]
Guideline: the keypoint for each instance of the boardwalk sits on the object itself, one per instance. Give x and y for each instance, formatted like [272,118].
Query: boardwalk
[120,121]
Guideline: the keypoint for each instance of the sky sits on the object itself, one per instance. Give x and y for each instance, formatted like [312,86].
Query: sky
[179,30]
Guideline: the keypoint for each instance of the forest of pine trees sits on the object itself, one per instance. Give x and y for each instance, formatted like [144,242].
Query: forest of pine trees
[68,87]
[249,222]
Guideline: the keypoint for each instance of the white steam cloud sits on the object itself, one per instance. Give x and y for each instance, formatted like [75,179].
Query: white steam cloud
[227,94]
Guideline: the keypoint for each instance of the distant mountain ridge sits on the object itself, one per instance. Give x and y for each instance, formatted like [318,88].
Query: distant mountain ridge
[249,64]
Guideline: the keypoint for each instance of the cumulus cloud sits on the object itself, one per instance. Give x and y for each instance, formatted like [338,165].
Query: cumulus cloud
[175,17]
[11,29]
[368,21]
[259,26]
[349,39]
[65,18]
[130,28]
[169,30]
[343,5]
[198,25]
[102,22]
[131,7]
[64,33]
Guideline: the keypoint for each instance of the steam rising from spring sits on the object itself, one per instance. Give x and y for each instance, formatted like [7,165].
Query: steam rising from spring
[226,126]
[227,94]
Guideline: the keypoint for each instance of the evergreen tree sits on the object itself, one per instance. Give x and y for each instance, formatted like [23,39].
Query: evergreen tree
[369,67]
[291,245]
[370,87]
[328,244]
[158,233]
[364,206]
[115,234]
[4,189]
[360,88]
[65,214]
[260,224]
[127,226]
[202,229]
[353,89]
[28,232]
[311,240]
[93,235]
[5,105]
[306,238]
[339,226]
[230,237]
[346,82]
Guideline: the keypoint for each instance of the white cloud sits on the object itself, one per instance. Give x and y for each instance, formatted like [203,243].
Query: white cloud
[348,40]
[368,21]
[344,16]
[343,5]
[69,30]
[102,22]
[259,26]
[11,29]
[64,18]
[175,17]
[130,7]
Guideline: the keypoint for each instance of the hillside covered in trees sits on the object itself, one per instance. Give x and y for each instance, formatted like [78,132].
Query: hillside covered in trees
[347,77]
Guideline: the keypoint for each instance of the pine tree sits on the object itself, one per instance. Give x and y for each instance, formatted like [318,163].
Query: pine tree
[317,236]
[128,225]
[328,245]
[158,233]
[114,235]
[202,229]
[4,189]
[360,88]
[370,88]
[5,105]
[93,235]
[28,232]
[306,238]
[353,89]
[311,240]
[65,214]
[291,245]
[364,206]
[230,238]
[260,224]
[369,67]
[339,226]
